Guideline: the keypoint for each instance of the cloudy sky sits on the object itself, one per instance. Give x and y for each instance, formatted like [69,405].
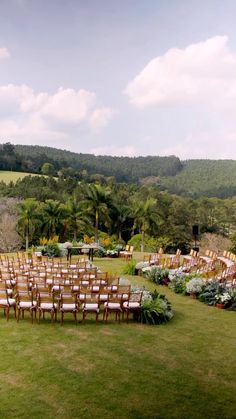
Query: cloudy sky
[120,77]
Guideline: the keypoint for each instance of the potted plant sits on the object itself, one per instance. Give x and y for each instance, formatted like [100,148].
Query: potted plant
[222,299]
[194,287]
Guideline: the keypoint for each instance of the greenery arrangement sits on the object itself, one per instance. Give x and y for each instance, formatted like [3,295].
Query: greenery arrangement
[156,274]
[51,250]
[178,283]
[155,309]
[129,268]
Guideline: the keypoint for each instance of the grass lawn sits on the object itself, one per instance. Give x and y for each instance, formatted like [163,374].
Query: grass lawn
[184,369]
[8,176]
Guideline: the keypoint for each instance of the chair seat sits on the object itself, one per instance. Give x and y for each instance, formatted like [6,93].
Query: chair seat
[68,307]
[27,304]
[91,307]
[4,301]
[103,297]
[131,304]
[48,306]
[112,306]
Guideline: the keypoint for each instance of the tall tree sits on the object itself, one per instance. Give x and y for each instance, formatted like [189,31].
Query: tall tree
[97,201]
[54,214]
[75,216]
[145,216]
[27,217]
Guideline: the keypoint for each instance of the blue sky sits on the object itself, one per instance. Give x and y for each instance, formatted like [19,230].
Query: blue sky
[127,77]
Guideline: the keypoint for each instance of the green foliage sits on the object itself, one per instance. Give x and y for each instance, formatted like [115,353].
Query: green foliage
[156,274]
[129,268]
[48,169]
[151,244]
[124,169]
[178,283]
[51,250]
[233,247]
[210,292]
[212,178]
[155,310]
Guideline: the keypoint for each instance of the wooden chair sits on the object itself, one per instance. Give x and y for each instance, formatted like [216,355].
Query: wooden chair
[133,305]
[6,302]
[129,254]
[122,252]
[25,301]
[46,304]
[114,304]
[68,304]
[91,305]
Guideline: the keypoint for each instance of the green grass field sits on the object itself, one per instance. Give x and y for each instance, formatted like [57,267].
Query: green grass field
[184,369]
[8,176]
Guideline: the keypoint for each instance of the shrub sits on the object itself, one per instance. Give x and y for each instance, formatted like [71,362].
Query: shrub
[195,286]
[210,292]
[155,309]
[51,250]
[178,283]
[129,268]
[156,274]
[150,243]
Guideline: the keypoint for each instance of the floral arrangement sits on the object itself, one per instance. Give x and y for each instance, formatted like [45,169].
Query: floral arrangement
[195,286]
[178,283]
[223,298]
[156,274]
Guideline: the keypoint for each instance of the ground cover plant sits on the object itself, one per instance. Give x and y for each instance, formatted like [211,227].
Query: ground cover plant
[182,369]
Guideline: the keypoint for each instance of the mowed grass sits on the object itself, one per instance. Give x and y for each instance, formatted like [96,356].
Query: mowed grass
[8,176]
[184,369]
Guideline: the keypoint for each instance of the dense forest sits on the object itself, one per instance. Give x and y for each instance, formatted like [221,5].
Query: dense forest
[123,169]
[86,195]
[192,178]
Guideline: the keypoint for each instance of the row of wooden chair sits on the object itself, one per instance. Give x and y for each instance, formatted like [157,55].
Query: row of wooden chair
[85,301]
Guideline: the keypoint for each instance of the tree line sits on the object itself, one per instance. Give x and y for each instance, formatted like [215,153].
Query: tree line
[46,206]
[193,178]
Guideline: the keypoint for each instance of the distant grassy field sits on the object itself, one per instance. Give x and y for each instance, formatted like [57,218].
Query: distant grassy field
[7,176]
[184,369]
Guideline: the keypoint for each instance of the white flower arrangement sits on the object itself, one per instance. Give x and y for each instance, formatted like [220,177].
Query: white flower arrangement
[194,286]
[223,298]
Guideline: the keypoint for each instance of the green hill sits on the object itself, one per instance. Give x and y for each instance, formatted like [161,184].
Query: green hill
[194,178]
[204,178]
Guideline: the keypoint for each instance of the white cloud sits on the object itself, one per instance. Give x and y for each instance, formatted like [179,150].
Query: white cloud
[203,73]
[204,145]
[101,117]
[32,117]
[4,53]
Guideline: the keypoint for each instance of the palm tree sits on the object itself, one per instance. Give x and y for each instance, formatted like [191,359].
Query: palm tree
[27,217]
[145,216]
[97,201]
[75,216]
[54,214]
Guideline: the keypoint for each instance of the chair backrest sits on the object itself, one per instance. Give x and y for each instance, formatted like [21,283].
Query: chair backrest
[135,297]
[45,298]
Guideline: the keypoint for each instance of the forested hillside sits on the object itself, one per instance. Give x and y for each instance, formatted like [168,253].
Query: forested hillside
[204,178]
[123,169]
[193,178]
